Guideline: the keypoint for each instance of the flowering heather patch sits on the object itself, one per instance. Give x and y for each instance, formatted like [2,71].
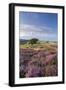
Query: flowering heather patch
[38,62]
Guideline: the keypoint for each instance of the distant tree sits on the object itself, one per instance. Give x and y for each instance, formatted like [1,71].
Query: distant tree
[33,41]
[47,41]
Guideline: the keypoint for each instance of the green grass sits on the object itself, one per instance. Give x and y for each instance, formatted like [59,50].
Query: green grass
[41,45]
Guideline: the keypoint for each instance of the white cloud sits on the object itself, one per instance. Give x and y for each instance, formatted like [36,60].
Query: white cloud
[40,32]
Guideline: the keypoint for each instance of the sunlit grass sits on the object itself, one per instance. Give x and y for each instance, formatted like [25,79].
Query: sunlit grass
[42,46]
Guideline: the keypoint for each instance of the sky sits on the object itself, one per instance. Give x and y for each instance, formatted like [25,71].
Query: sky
[38,25]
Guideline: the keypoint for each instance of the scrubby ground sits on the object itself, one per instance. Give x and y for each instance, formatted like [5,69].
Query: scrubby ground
[38,60]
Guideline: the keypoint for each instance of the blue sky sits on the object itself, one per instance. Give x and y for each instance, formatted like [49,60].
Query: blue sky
[38,25]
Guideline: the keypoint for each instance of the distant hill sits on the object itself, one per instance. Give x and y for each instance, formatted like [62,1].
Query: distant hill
[23,41]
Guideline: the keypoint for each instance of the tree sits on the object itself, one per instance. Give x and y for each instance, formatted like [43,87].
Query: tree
[47,41]
[33,41]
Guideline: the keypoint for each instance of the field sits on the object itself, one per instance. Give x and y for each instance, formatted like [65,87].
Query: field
[38,60]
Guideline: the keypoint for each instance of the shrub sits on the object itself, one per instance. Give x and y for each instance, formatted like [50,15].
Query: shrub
[33,41]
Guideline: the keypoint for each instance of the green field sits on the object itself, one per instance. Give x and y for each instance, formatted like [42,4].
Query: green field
[40,45]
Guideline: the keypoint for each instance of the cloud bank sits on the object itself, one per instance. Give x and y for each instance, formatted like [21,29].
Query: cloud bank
[40,32]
